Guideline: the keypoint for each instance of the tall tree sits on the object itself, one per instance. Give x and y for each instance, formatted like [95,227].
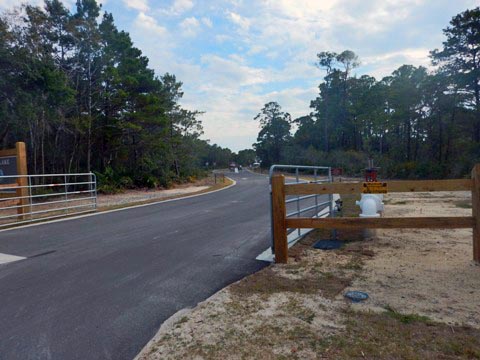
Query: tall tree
[274,134]
[460,58]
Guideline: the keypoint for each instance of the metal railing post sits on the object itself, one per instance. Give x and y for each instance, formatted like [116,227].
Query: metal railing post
[330,204]
[66,192]
[93,181]
[316,195]
[30,196]
[298,200]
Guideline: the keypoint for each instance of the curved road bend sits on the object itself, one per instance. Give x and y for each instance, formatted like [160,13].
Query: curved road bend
[99,287]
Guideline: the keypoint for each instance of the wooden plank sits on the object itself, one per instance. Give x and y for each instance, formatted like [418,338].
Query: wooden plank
[383,223]
[332,188]
[279,213]
[7,196]
[476,211]
[22,181]
[6,203]
[8,152]
[393,186]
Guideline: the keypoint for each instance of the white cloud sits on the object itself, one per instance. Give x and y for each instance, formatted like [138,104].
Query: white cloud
[381,65]
[149,25]
[180,6]
[207,22]
[140,5]
[10,4]
[242,22]
[220,38]
[190,26]
[299,8]
[231,73]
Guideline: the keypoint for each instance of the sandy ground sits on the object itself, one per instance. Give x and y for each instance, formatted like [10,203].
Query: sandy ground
[429,272]
[132,196]
[239,322]
[287,311]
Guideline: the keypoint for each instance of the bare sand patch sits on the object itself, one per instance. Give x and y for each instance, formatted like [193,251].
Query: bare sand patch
[429,272]
[132,196]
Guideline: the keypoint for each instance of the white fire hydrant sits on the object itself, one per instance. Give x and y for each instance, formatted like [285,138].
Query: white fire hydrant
[371,205]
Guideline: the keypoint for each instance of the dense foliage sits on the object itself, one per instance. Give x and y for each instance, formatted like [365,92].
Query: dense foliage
[414,123]
[76,90]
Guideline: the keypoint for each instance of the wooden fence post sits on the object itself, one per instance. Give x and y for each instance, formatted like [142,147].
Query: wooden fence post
[476,211]
[279,214]
[22,180]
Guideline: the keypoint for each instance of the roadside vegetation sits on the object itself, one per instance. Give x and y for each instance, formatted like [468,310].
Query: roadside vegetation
[83,98]
[415,123]
[127,198]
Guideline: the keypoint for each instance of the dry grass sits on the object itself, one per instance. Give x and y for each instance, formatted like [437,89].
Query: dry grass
[267,282]
[391,335]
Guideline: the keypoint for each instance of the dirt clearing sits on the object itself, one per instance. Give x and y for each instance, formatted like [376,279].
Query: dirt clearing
[135,197]
[430,272]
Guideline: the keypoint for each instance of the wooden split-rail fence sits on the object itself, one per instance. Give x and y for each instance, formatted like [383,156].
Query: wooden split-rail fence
[281,223]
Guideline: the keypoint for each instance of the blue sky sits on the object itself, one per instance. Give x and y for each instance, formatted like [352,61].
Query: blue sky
[233,56]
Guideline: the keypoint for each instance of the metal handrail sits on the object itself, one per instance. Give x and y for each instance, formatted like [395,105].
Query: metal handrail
[47,175]
[48,202]
[45,185]
[28,205]
[298,199]
[301,211]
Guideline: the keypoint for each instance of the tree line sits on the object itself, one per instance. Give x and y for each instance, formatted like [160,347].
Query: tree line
[83,98]
[414,122]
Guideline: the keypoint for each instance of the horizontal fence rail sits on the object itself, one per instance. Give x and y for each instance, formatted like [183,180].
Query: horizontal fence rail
[393,186]
[454,222]
[281,221]
[30,198]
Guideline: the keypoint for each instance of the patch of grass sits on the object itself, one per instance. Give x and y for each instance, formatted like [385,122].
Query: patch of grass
[269,282]
[355,263]
[392,335]
[406,318]
[293,307]
[182,320]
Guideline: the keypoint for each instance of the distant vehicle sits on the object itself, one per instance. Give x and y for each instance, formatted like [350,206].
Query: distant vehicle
[232,166]
[256,165]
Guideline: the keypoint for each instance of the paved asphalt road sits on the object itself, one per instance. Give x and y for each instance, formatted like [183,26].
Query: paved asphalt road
[99,287]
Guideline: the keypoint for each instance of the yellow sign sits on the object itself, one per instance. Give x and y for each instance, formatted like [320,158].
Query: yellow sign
[374,188]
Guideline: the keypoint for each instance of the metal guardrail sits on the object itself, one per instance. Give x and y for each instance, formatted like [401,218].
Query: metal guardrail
[46,197]
[300,174]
